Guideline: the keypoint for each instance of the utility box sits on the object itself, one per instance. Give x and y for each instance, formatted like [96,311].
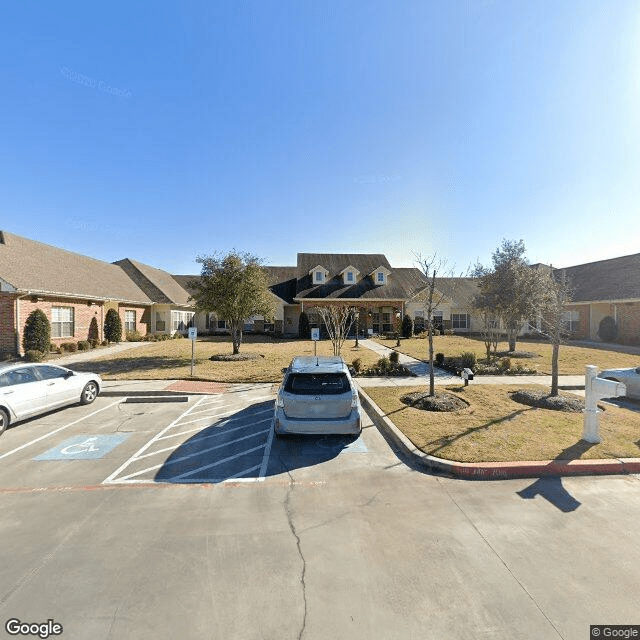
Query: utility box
[595,389]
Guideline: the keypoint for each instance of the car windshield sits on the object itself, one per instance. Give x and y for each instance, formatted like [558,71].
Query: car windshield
[317,383]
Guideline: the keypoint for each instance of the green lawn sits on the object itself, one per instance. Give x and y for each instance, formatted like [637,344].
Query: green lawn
[494,428]
[572,360]
[172,359]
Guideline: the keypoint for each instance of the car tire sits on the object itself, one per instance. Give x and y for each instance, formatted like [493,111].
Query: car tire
[89,393]
[4,420]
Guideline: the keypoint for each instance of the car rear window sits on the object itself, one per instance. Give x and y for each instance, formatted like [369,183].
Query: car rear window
[317,383]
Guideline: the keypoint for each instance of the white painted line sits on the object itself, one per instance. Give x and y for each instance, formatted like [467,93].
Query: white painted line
[146,446]
[217,426]
[215,464]
[265,458]
[219,432]
[66,426]
[236,477]
[193,455]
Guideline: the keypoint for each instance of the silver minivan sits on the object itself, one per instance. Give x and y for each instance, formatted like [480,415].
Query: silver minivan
[319,396]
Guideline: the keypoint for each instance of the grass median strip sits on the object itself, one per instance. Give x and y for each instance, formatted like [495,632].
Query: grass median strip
[496,428]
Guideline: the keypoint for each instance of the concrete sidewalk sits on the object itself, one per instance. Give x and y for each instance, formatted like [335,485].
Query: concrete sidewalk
[93,354]
[421,369]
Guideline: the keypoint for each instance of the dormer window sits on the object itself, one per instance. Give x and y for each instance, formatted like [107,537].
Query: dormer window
[380,275]
[349,275]
[318,274]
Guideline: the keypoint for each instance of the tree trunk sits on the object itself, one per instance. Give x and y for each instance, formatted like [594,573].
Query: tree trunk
[432,381]
[554,366]
[512,339]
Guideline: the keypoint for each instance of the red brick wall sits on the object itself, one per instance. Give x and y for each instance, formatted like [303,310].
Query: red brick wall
[583,325]
[7,323]
[83,314]
[142,318]
[629,322]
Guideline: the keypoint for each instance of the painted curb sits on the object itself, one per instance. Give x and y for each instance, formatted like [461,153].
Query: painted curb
[493,470]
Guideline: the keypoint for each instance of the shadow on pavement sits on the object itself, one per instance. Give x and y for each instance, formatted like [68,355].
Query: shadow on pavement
[235,447]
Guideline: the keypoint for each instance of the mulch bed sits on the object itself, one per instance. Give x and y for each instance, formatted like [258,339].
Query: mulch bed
[439,402]
[235,357]
[542,400]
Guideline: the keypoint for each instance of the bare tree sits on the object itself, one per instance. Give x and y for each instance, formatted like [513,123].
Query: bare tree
[338,319]
[432,266]
[558,296]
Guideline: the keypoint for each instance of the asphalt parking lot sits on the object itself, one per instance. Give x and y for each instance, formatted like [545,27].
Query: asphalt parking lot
[138,437]
[138,517]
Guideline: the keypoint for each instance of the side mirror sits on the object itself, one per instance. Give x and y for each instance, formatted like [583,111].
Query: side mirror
[68,374]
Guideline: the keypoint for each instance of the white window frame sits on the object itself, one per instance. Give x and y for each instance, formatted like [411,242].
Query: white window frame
[58,325]
[127,323]
[571,321]
[318,277]
[456,323]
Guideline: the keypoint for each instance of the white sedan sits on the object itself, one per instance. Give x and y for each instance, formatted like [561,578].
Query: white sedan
[629,376]
[27,390]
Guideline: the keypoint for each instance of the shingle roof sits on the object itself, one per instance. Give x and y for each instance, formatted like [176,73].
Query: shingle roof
[38,268]
[401,284]
[159,285]
[460,291]
[613,279]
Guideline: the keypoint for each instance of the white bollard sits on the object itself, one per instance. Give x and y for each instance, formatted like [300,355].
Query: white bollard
[595,389]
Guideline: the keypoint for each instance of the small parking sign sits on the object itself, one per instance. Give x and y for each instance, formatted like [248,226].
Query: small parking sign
[315,334]
[193,333]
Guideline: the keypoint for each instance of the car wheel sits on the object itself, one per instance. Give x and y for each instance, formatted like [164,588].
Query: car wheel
[89,393]
[4,420]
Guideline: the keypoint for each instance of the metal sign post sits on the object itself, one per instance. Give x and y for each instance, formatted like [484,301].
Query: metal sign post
[315,336]
[193,334]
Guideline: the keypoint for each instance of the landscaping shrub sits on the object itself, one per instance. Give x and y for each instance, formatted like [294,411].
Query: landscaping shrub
[94,333]
[33,355]
[112,326]
[357,364]
[84,345]
[37,332]
[304,328]
[384,363]
[70,347]
[394,357]
[407,326]
[177,335]
[104,343]
[439,359]
[505,364]
[608,329]
[133,336]
[468,360]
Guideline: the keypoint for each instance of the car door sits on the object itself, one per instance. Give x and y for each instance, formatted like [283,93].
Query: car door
[25,393]
[61,386]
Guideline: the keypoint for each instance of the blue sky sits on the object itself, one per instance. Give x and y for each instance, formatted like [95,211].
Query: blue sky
[162,132]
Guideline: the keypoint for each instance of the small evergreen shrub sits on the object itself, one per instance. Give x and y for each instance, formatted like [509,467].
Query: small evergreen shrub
[112,326]
[304,328]
[608,329]
[37,332]
[94,332]
[384,363]
[505,364]
[33,355]
[104,343]
[439,359]
[394,357]
[468,360]
[407,326]
[84,345]
[133,336]
[357,365]
[70,347]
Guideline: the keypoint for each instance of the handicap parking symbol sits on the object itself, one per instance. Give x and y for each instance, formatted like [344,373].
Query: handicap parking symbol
[84,447]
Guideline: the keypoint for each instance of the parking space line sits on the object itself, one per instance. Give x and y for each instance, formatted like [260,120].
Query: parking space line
[265,458]
[222,424]
[166,463]
[150,442]
[66,426]
[215,464]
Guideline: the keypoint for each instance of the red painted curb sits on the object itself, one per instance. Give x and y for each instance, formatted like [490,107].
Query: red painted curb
[495,470]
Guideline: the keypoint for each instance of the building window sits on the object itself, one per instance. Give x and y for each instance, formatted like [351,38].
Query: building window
[349,276]
[129,321]
[387,326]
[318,276]
[380,277]
[181,320]
[222,324]
[459,321]
[571,321]
[62,325]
